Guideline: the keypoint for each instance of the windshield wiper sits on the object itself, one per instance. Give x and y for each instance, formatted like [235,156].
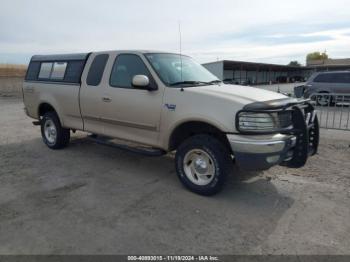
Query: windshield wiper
[215,82]
[188,83]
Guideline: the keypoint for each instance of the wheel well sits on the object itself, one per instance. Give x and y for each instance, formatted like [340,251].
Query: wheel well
[188,129]
[44,108]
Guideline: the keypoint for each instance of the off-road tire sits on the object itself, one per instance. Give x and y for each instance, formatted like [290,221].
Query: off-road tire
[219,154]
[62,134]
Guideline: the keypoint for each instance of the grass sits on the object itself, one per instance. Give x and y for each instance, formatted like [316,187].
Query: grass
[11,70]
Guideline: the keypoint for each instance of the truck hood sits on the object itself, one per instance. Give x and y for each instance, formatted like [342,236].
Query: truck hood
[237,93]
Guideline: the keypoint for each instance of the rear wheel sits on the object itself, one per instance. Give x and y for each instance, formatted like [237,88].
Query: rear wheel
[202,164]
[53,134]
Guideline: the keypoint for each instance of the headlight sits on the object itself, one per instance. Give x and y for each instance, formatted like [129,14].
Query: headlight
[263,122]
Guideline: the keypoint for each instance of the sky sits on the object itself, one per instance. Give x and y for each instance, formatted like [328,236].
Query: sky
[271,31]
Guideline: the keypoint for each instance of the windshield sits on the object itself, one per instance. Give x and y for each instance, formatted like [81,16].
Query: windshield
[174,71]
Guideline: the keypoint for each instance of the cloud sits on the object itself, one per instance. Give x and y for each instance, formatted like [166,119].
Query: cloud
[277,43]
[254,30]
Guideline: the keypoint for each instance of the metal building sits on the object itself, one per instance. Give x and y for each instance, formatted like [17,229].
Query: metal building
[249,73]
[329,64]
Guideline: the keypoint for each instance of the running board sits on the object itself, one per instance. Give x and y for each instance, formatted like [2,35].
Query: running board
[108,141]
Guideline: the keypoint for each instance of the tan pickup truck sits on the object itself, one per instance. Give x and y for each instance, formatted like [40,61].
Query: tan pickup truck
[169,102]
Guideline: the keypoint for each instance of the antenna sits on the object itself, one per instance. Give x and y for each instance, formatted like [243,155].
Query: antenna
[180,47]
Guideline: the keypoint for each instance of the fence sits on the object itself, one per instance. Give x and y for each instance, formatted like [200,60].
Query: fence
[333,110]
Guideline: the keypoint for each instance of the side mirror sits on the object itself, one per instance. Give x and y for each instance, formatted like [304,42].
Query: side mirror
[142,81]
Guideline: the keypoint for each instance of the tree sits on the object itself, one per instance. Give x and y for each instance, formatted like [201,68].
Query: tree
[294,63]
[316,56]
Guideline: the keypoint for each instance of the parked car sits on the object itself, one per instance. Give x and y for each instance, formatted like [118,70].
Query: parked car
[170,103]
[326,83]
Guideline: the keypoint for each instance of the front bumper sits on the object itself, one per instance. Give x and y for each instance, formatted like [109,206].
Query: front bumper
[287,146]
[261,152]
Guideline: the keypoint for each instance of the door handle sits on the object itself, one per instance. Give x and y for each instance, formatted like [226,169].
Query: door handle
[29,89]
[106,99]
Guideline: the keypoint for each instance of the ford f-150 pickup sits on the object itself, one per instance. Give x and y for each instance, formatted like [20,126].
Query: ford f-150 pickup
[169,102]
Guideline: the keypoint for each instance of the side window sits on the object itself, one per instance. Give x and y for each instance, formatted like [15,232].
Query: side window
[45,70]
[73,71]
[96,70]
[59,69]
[342,78]
[33,71]
[125,67]
[323,78]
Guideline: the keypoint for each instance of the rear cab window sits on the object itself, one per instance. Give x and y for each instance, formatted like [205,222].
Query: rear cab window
[96,70]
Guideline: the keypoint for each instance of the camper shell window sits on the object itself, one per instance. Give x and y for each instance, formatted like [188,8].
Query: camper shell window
[56,68]
[59,69]
[45,70]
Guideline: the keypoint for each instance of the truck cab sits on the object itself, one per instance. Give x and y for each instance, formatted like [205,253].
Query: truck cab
[169,102]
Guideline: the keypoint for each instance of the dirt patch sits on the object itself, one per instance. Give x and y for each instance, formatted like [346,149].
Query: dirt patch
[11,86]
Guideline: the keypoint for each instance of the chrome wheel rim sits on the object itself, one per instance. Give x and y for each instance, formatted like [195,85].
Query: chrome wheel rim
[50,131]
[199,167]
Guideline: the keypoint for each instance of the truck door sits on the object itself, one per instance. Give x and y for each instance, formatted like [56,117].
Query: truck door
[91,93]
[127,112]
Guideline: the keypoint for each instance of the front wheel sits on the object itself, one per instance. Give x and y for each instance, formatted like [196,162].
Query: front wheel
[202,164]
[53,134]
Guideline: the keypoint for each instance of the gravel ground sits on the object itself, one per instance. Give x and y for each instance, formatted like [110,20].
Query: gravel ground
[92,199]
